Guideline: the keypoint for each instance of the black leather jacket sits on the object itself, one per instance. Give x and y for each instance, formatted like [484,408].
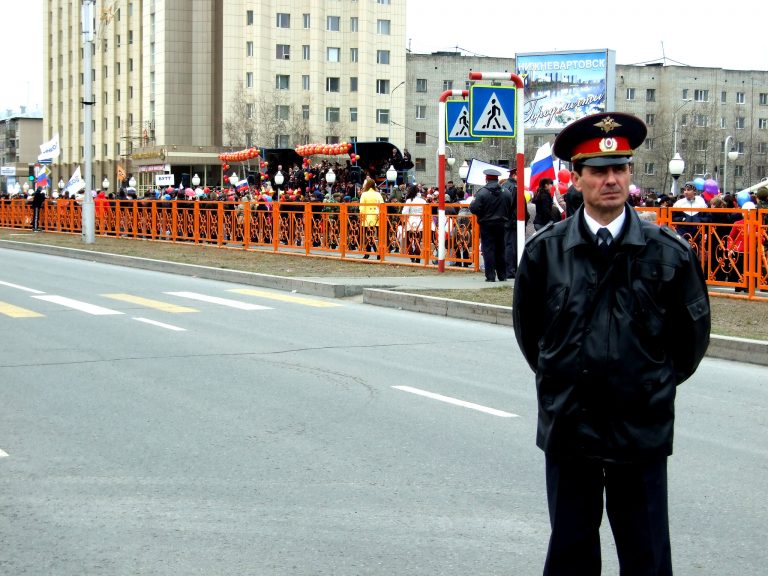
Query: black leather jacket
[492,204]
[609,342]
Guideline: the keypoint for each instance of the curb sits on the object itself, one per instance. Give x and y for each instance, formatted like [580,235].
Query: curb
[723,347]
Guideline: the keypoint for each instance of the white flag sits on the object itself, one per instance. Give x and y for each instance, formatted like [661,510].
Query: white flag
[76,183]
[49,150]
[475,174]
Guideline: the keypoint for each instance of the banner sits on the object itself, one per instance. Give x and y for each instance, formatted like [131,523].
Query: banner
[120,173]
[76,183]
[475,174]
[49,150]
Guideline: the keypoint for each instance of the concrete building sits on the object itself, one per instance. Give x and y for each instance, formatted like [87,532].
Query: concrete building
[175,83]
[21,133]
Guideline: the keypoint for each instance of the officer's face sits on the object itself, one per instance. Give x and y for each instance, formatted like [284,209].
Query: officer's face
[605,189]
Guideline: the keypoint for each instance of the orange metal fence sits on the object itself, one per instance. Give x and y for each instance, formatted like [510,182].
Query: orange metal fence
[732,245]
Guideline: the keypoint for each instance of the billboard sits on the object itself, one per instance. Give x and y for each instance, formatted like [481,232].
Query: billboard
[561,87]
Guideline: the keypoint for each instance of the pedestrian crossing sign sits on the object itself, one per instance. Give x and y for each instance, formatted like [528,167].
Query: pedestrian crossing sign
[457,122]
[492,111]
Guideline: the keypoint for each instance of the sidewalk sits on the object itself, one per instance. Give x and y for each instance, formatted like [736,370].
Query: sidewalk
[392,292]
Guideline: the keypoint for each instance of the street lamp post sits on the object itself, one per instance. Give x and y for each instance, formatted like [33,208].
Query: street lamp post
[279,179]
[195,180]
[731,155]
[330,179]
[676,168]
[391,177]
[105,184]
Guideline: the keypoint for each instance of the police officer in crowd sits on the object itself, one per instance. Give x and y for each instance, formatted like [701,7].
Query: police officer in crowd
[611,313]
[493,207]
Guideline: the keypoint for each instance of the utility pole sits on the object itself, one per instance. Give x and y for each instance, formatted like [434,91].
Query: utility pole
[88,207]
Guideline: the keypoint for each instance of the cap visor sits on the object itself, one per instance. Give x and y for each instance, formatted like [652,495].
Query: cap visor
[606,161]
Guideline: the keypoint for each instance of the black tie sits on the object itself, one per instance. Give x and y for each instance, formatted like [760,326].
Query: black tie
[604,241]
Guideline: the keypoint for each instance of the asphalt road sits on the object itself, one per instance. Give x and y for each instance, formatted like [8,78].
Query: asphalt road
[302,435]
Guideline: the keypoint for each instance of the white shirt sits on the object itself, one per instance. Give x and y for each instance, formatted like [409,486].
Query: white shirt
[614,226]
[696,202]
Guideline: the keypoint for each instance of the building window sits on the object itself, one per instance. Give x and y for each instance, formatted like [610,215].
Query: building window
[354,24]
[722,122]
[353,54]
[701,95]
[249,49]
[382,27]
[700,145]
[762,123]
[420,164]
[353,83]
[249,79]
[305,111]
[332,84]
[723,97]
[353,114]
[701,120]
[685,93]
[761,172]
[698,168]
[421,84]
[421,112]
[305,52]
[740,123]
[762,148]
[650,95]
[382,116]
[387,2]
[282,112]
[447,85]
[738,170]
[332,114]
[283,20]
[739,147]
[763,98]
[421,137]
[249,17]
[630,93]
[306,19]
[305,82]
[333,23]
[283,52]
[382,56]
[649,143]
[650,169]
[331,139]
[333,54]
[249,110]
[382,86]
[650,119]
[282,82]
[282,141]
[740,99]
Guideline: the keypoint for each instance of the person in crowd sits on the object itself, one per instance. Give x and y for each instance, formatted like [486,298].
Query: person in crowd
[510,229]
[597,300]
[370,201]
[493,208]
[542,199]
[689,218]
[414,223]
[38,200]
[573,200]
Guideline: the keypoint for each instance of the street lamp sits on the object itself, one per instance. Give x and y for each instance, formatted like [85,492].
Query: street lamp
[195,180]
[731,155]
[105,184]
[330,177]
[132,182]
[279,179]
[25,187]
[463,173]
[676,168]
[61,185]
[391,176]
[233,179]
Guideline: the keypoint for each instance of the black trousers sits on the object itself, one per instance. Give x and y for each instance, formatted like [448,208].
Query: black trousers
[510,252]
[494,247]
[636,503]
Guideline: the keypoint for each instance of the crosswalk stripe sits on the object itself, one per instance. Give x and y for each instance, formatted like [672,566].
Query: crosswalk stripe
[16,312]
[10,285]
[77,305]
[156,304]
[285,298]
[221,301]
[161,324]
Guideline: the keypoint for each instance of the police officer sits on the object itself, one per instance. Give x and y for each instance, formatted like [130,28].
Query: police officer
[510,229]
[598,299]
[493,208]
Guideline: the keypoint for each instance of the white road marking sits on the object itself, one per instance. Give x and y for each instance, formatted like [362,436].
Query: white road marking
[221,301]
[77,305]
[3,454]
[32,290]
[161,324]
[456,402]
[156,304]
[285,298]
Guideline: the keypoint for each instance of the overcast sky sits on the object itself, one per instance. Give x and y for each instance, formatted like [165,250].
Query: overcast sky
[706,35]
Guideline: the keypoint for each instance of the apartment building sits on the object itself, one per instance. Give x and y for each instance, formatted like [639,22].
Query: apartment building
[21,133]
[175,83]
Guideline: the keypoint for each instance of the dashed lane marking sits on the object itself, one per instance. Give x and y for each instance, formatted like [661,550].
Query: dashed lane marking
[456,402]
[17,287]
[3,454]
[156,304]
[285,298]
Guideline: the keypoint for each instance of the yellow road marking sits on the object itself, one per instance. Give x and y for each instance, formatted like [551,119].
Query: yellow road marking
[16,312]
[156,304]
[285,298]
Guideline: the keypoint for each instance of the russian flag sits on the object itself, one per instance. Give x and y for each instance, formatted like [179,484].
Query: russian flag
[542,166]
[242,185]
[42,179]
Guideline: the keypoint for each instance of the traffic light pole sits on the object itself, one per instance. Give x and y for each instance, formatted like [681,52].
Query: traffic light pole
[88,207]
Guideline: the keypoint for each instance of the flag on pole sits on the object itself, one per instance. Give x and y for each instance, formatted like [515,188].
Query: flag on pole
[41,180]
[120,173]
[242,185]
[542,166]
[49,150]
[76,183]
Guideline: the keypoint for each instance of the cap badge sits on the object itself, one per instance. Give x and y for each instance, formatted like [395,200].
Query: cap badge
[608,145]
[607,124]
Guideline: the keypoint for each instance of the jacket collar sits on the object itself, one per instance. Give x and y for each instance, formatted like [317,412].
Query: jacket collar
[578,233]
